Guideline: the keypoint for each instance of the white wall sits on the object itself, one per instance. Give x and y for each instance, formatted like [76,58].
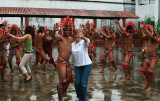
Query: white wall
[149,9]
[57,4]
[144,10]
[61,4]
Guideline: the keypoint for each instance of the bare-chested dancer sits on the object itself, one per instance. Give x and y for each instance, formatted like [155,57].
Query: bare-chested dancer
[127,31]
[39,50]
[14,49]
[90,33]
[144,38]
[151,54]
[64,50]
[3,43]
[109,38]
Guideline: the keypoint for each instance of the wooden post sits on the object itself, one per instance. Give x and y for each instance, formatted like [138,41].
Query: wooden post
[26,21]
[95,23]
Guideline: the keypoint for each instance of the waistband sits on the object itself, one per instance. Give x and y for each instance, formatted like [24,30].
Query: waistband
[29,52]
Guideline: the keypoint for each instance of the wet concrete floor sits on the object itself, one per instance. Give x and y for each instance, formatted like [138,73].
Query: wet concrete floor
[101,86]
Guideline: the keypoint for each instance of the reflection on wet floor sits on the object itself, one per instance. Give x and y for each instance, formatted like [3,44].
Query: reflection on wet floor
[101,86]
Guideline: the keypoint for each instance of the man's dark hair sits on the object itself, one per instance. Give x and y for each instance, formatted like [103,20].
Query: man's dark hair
[129,29]
[41,30]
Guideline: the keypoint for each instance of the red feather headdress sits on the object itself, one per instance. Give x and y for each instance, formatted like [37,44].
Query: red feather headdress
[130,24]
[14,26]
[6,25]
[150,28]
[45,28]
[67,23]
[4,30]
[90,25]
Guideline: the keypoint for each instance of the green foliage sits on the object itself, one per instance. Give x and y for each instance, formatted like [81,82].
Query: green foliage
[158,27]
[148,21]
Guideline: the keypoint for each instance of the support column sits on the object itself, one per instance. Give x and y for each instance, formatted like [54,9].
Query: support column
[95,23]
[124,22]
[26,21]
[21,23]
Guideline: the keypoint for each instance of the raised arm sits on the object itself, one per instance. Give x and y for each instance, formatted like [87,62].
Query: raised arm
[53,35]
[96,32]
[119,27]
[106,36]
[151,36]
[149,33]
[83,37]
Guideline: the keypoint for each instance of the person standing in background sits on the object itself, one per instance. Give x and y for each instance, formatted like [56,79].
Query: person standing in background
[47,46]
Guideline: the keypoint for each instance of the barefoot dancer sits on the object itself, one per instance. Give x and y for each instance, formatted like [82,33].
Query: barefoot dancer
[127,32]
[3,43]
[64,50]
[39,50]
[109,38]
[14,49]
[151,54]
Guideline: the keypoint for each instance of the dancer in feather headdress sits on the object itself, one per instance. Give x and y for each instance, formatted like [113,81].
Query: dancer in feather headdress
[64,48]
[14,48]
[40,54]
[109,38]
[127,32]
[151,45]
[89,32]
[3,43]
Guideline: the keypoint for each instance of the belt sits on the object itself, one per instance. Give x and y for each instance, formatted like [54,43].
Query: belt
[28,52]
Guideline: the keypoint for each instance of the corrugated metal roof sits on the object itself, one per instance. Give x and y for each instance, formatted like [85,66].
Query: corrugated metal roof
[61,13]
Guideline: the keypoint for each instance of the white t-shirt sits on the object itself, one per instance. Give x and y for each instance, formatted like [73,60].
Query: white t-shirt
[80,53]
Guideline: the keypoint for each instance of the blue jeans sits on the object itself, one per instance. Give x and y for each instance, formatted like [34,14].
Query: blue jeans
[81,81]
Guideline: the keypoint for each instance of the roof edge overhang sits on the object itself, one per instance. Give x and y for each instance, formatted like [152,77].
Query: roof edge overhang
[14,14]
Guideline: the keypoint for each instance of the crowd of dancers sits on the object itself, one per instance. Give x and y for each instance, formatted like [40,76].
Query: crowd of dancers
[40,42]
